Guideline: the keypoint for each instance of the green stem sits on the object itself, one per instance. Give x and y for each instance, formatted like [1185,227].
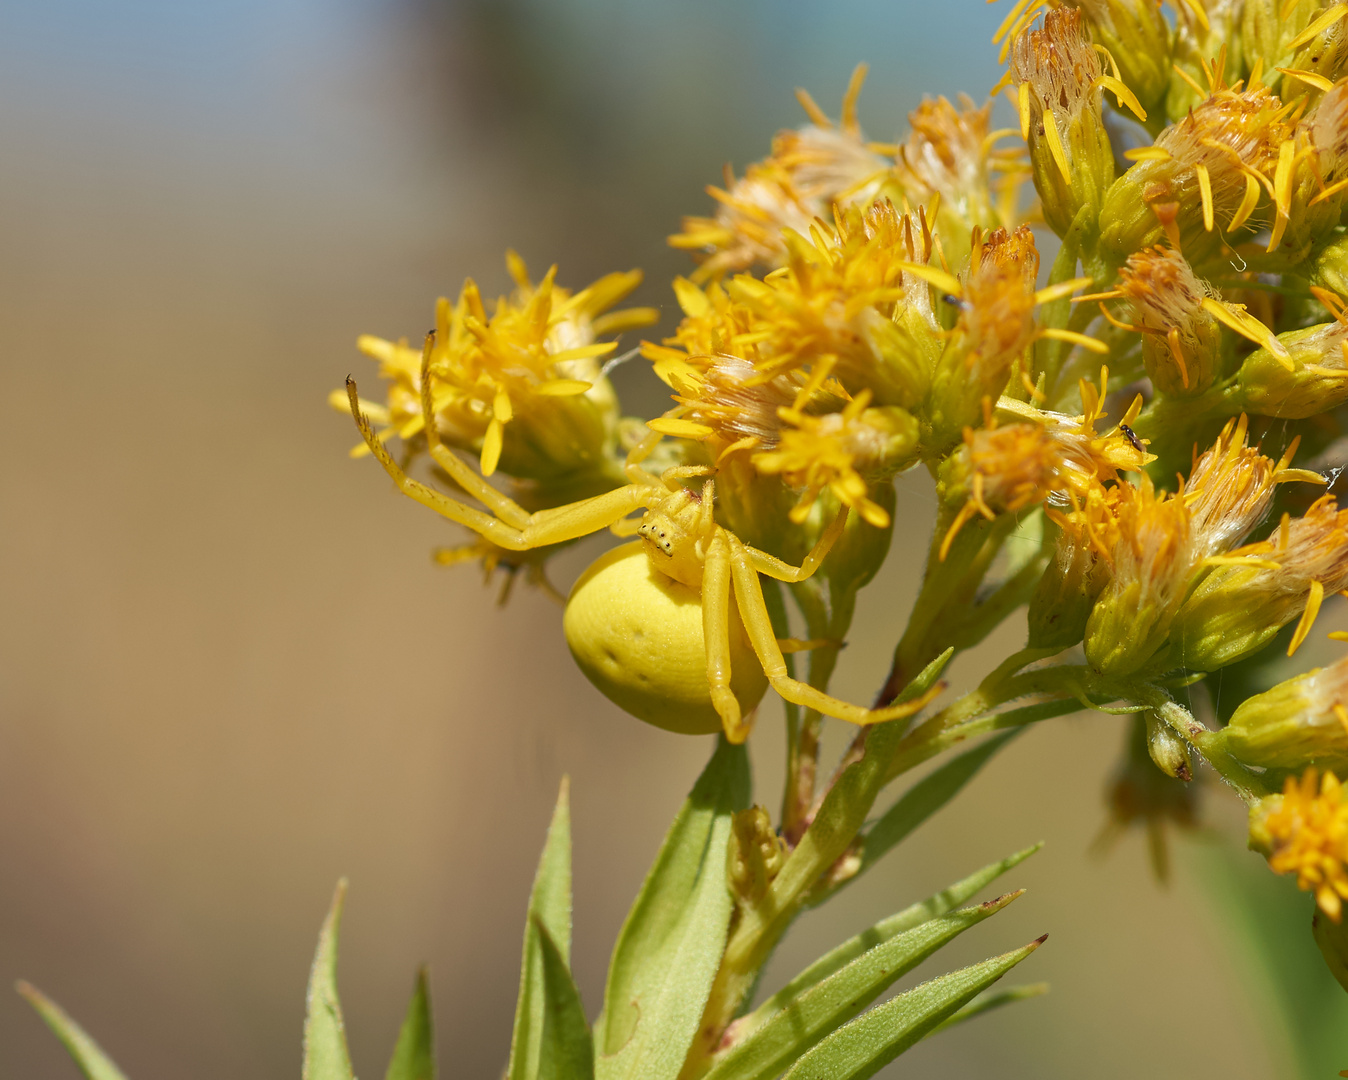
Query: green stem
[803,758]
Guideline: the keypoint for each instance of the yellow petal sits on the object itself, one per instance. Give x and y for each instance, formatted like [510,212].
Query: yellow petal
[683,429]
[491,447]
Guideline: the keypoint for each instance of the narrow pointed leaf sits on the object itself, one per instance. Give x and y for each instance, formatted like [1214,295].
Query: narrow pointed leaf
[926,797]
[832,1002]
[989,1000]
[414,1054]
[869,1043]
[549,907]
[671,944]
[938,904]
[567,1053]
[93,1063]
[326,1056]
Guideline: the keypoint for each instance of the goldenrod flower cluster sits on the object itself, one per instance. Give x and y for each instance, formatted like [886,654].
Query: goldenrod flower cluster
[1154,415]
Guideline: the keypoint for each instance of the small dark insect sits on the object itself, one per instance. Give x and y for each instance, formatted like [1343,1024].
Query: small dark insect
[955,301]
[1131,436]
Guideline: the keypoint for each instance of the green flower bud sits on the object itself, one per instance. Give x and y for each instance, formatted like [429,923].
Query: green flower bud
[1197,177]
[1167,750]
[1329,263]
[1141,795]
[1238,608]
[1139,41]
[1312,379]
[860,551]
[1300,722]
[995,325]
[1181,340]
[1059,74]
[754,856]
[1153,561]
[1067,592]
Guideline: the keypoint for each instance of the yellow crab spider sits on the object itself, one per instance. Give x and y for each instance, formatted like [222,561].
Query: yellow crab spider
[652,623]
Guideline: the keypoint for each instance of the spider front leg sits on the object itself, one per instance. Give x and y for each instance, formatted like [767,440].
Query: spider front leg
[527,531]
[783,571]
[716,635]
[754,612]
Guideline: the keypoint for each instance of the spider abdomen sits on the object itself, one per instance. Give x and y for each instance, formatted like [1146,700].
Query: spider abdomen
[637,635]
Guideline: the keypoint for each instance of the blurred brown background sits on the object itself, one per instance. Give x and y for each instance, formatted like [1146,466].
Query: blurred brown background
[229,672]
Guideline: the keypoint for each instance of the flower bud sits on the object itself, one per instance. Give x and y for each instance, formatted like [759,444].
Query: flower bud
[1058,73]
[1153,561]
[860,551]
[1312,379]
[1181,342]
[754,855]
[1167,750]
[1063,599]
[1300,722]
[1140,795]
[1139,41]
[1202,173]
[995,325]
[1240,606]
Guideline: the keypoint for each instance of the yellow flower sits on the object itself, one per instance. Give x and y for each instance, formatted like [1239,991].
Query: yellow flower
[534,361]
[807,172]
[843,452]
[1304,831]
[950,161]
[1231,486]
[1205,176]
[1181,340]
[999,470]
[1153,560]
[1255,590]
[846,302]
[1058,77]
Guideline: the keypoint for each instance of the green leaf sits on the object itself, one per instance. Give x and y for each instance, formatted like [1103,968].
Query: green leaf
[549,907]
[95,1064]
[567,1052]
[414,1055]
[325,1052]
[869,1043]
[989,1000]
[670,947]
[915,915]
[925,797]
[835,1000]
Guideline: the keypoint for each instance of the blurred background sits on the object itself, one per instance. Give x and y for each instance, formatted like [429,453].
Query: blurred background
[229,672]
